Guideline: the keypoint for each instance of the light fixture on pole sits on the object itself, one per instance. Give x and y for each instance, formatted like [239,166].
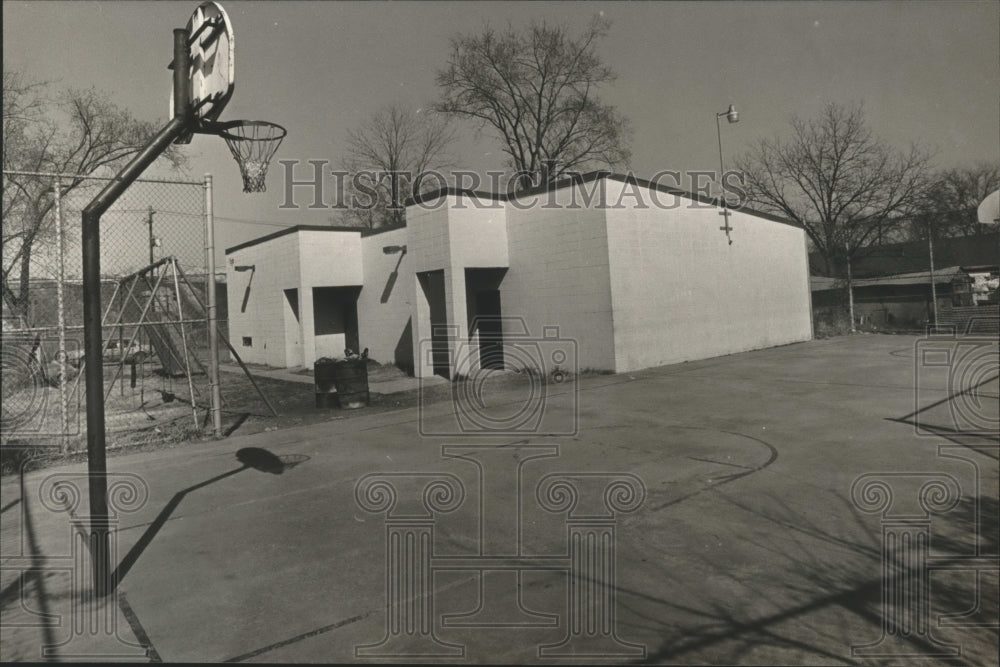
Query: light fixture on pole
[733,116]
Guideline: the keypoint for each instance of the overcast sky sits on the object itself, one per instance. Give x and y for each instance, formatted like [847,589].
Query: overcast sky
[927,72]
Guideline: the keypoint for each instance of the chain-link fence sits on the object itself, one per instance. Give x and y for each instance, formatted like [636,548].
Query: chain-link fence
[155,287]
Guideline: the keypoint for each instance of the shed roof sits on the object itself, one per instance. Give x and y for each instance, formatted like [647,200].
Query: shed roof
[945,275]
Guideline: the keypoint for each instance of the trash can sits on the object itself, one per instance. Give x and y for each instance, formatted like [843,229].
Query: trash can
[341,382]
[326,390]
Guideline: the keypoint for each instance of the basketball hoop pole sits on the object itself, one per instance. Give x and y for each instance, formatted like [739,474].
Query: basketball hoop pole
[92,317]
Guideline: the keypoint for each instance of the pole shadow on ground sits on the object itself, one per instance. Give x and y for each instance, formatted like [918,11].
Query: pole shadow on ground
[250,458]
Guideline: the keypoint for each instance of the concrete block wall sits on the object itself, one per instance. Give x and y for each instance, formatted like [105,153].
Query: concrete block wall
[429,247]
[327,259]
[427,235]
[265,319]
[631,284]
[385,302]
[477,232]
[681,292]
[299,260]
[559,274]
[477,238]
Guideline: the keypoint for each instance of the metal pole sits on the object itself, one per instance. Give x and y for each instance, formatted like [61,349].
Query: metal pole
[212,312]
[184,345]
[90,242]
[121,352]
[149,221]
[60,305]
[930,250]
[718,131]
[850,288]
[722,188]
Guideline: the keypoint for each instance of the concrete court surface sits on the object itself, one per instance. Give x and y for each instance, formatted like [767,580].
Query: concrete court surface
[748,546]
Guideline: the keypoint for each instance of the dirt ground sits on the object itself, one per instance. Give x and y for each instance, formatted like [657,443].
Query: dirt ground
[157,413]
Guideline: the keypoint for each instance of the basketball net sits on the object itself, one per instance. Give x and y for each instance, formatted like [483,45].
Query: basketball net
[253,143]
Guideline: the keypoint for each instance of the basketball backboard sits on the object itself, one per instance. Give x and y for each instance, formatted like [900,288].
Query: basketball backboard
[212,69]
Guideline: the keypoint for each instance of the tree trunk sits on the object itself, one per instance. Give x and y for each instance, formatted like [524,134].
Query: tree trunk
[23,302]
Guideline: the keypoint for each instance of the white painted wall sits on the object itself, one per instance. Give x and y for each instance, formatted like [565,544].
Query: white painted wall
[477,233]
[628,286]
[328,258]
[381,324]
[429,249]
[266,316]
[559,275]
[299,260]
[680,292]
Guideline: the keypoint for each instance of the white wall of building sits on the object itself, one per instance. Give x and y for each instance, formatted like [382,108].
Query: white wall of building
[266,319]
[385,303]
[328,259]
[299,260]
[681,292]
[559,274]
[477,237]
[629,279]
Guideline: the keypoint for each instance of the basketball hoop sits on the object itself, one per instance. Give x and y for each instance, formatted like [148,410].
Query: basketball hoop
[252,143]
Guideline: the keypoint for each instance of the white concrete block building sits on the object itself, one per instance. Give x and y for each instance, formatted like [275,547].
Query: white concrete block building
[627,274]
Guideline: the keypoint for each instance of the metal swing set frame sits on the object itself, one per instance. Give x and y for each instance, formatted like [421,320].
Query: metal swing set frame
[161,333]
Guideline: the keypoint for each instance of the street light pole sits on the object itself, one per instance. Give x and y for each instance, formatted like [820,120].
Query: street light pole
[733,116]
[149,221]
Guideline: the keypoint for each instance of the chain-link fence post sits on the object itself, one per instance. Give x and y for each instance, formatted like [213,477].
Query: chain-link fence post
[61,316]
[161,334]
[212,314]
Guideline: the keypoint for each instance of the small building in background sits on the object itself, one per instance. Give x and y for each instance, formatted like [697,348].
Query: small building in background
[602,272]
[905,301]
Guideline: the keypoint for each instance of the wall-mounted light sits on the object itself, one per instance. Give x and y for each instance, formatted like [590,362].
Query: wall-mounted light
[393,249]
[245,267]
[733,116]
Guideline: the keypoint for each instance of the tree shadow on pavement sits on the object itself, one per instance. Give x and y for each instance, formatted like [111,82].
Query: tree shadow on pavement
[817,594]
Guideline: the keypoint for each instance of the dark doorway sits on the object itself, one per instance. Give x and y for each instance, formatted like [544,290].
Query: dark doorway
[432,284]
[490,327]
[335,320]
[482,287]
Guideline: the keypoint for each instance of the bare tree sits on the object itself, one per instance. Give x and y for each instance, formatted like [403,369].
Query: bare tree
[840,182]
[951,203]
[390,153]
[538,92]
[77,132]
